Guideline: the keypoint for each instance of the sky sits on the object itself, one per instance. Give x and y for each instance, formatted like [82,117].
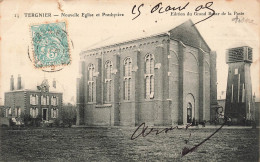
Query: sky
[220,33]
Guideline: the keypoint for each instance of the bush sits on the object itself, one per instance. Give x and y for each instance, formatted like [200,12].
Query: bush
[11,123]
[38,120]
[68,115]
[68,122]
[56,122]
[27,119]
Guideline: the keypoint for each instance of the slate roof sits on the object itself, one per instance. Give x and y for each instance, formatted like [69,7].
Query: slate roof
[185,32]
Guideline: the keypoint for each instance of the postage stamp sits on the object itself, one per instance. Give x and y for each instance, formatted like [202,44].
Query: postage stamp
[50,45]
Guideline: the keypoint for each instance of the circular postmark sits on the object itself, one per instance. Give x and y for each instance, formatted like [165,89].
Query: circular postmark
[50,46]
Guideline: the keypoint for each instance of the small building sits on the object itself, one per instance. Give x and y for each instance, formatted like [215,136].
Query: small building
[42,101]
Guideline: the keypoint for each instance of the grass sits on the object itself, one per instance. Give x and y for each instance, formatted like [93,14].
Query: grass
[114,144]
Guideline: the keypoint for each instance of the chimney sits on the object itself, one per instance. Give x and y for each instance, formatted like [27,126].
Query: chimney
[11,83]
[54,83]
[19,82]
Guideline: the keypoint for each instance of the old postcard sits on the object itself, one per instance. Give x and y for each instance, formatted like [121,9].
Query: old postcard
[172,80]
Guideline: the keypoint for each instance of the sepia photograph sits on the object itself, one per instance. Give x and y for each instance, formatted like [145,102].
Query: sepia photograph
[172,80]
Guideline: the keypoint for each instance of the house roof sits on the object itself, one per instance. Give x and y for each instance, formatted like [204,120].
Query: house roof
[34,87]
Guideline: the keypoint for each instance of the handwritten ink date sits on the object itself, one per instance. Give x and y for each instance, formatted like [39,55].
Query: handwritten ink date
[137,11]
[168,8]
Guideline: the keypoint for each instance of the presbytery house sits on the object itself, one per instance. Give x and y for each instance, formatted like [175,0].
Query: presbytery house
[41,101]
[163,79]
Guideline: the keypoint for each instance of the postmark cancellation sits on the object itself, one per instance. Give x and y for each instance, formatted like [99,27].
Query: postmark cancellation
[50,45]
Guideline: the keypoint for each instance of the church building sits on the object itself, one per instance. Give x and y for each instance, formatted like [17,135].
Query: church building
[163,79]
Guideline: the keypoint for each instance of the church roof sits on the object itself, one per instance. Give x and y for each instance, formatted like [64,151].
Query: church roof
[186,32]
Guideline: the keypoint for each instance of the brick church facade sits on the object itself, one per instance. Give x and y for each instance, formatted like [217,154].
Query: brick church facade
[164,79]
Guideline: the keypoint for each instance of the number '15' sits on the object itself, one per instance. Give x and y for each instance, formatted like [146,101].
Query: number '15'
[138,10]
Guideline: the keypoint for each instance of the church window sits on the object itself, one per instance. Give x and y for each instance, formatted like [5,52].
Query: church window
[149,76]
[108,80]
[127,78]
[91,70]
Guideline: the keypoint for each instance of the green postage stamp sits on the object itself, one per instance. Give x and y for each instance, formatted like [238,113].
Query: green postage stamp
[50,45]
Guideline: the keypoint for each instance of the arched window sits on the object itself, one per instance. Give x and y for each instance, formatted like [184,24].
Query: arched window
[127,78]
[91,70]
[108,80]
[149,76]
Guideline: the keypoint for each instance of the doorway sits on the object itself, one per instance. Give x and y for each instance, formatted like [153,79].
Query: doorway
[189,109]
[189,113]
[44,114]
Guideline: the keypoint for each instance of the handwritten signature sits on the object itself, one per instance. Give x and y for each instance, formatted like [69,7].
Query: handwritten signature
[243,20]
[145,132]
[156,130]
[186,150]
[161,9]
